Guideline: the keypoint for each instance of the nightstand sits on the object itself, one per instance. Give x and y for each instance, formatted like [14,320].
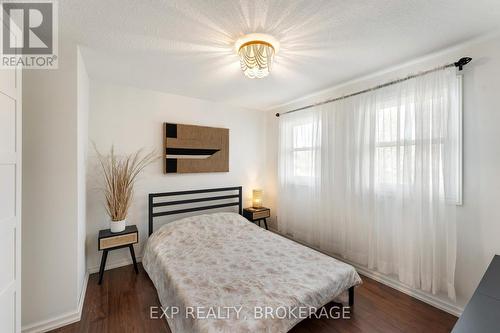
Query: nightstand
[257,214]
[109,241]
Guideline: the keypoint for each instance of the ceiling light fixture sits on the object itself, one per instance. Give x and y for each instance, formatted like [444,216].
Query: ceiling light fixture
[256,52]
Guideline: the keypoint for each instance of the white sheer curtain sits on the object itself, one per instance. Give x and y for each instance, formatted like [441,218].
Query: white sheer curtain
[375,179]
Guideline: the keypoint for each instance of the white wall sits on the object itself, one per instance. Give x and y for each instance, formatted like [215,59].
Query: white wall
[132,118]
[271,168]
[52,149]
[49,191]
[479,217]
[83,90]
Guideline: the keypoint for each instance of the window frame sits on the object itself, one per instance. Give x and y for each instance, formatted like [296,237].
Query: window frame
[300,179]
[388,144]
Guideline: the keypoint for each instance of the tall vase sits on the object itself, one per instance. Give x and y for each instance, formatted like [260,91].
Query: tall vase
[118,226]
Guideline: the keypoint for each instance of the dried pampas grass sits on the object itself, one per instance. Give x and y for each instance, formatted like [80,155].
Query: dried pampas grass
[120,174]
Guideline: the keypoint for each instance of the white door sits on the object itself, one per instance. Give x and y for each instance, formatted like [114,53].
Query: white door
[10,201]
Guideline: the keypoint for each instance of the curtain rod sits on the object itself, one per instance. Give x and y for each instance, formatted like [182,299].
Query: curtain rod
[460,64]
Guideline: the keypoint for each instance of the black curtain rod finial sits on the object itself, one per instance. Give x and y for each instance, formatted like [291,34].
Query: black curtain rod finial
[462,62]
[277,114]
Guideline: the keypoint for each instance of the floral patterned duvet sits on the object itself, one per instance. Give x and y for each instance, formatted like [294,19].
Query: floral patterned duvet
[221,273]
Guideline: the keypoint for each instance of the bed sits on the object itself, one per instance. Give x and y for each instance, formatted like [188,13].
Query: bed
[221,273]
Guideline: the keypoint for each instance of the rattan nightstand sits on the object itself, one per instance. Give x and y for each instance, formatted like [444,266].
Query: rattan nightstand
[257,214]
[109,241]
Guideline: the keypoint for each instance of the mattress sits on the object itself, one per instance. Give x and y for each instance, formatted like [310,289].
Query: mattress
[221,273]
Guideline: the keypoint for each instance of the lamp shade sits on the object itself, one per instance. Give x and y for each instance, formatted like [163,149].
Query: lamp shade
[257,199]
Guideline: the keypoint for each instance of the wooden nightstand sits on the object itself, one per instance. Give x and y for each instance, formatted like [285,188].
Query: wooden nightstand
[111,241]
[257,214]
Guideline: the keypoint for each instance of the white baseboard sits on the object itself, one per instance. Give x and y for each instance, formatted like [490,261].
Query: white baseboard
[61,320]
[73,316]
[430,299]
[116,264]
[415,293]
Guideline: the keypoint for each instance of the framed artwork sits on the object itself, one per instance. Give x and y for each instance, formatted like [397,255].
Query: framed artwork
[195,149]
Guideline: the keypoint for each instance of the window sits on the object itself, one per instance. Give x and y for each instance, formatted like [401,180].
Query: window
[405,139]
[301,156]
[303,150]
[396,142]
[395,145]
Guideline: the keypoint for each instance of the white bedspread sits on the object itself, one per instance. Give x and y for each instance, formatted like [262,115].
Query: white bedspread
[220,263]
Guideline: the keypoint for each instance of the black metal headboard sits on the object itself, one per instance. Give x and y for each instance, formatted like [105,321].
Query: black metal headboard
[164,212]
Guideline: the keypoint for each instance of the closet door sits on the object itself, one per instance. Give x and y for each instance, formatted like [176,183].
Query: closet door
[10,200]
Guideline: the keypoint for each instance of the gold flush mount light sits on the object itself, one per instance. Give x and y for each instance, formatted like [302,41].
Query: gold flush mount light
[256,52]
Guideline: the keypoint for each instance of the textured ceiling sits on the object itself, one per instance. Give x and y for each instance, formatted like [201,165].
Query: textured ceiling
[186,47]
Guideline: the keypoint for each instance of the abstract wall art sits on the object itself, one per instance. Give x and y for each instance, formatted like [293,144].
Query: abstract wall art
[195,149]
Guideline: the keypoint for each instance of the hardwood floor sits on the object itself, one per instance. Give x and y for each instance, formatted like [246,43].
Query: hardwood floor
[122,304]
